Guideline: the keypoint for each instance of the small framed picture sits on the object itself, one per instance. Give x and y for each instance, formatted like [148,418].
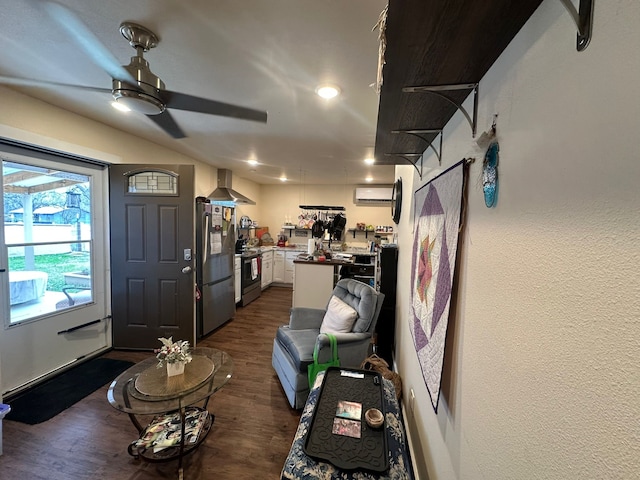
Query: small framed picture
[348,428]
[352,410]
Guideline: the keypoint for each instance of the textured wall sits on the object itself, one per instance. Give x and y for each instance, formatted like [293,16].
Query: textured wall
[542,377]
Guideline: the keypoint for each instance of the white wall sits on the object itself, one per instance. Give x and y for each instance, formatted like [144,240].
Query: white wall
[541,376]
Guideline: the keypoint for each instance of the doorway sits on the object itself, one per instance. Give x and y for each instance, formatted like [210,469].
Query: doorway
[52,264]
[152,236]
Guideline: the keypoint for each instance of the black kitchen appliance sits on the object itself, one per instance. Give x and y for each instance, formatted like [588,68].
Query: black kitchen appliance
[251,281]
[240,244]
[214,255]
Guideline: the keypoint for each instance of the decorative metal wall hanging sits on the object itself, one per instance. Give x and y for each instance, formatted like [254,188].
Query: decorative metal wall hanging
[490,175]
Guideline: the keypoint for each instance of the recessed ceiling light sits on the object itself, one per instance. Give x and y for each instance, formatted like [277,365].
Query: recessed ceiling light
[369,179]
[120,106]
[369,161]
[328,91]
[283,178]
[252,162]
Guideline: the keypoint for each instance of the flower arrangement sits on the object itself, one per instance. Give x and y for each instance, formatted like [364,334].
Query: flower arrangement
[172,352]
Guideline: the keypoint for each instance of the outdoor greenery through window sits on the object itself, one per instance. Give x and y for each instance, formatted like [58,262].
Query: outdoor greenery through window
[47,232]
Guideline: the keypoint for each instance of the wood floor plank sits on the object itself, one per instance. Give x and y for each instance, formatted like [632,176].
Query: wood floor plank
[250,437]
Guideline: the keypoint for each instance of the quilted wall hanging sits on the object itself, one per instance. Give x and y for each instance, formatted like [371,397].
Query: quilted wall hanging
[437,210]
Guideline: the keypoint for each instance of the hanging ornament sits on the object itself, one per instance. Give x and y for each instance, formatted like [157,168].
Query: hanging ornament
[490,175]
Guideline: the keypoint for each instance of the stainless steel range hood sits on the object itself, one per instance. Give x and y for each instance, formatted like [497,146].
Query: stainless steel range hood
[224,192]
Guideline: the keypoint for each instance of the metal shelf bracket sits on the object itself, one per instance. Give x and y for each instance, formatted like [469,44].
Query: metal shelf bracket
[420,132]
[436,89]
[408,157]
[583,18]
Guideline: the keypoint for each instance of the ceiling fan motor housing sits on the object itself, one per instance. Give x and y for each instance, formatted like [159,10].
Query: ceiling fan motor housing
[144,97]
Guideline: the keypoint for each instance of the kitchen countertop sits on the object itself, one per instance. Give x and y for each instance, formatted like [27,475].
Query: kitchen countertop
[256,250]
[329,261]
[301,249]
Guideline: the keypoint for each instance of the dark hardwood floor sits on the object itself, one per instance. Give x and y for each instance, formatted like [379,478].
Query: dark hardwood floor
[250,438]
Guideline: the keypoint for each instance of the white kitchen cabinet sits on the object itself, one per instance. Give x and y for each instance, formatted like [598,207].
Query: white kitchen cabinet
[238,278]
[278,266]
[289,271]
[267,269]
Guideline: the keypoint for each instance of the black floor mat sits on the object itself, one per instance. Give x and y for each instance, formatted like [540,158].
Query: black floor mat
[48,399]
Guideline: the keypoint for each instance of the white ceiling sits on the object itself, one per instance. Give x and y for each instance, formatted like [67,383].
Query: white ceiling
[263,54]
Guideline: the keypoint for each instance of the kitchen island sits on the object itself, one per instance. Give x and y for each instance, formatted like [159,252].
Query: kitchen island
[313,281]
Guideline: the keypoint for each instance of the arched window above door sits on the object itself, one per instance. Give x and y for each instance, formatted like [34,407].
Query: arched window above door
[152,182]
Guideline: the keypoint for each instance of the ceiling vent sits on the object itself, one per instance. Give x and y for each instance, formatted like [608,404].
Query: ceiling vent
[224,192]
[373,195]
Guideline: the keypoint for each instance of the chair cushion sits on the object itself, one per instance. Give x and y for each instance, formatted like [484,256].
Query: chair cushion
[362,298]
[299,344]
[339,317]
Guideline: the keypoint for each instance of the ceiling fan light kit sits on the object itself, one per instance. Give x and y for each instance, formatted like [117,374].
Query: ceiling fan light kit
[144,97]
[138,101]
[327,91]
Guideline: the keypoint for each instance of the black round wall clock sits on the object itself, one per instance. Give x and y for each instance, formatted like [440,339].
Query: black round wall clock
[396,201]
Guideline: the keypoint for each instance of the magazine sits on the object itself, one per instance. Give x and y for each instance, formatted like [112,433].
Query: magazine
[166,430]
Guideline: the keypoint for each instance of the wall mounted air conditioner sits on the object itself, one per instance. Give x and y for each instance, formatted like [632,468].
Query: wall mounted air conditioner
[373,195]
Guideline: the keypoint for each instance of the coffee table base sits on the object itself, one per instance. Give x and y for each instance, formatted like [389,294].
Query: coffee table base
[178,451]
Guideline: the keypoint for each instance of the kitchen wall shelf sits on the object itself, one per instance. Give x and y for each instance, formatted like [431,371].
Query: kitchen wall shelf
[367,232]
[448,54]
[322,207]
[296,231]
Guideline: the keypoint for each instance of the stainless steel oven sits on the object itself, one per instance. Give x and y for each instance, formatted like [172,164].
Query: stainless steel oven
[251,277]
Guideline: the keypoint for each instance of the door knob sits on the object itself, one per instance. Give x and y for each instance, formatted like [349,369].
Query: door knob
[187,269]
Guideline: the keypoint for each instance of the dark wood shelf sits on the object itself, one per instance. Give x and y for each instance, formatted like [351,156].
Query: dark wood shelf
[436,42]
[367,232]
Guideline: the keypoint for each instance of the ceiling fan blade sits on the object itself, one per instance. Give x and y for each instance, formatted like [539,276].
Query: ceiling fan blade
[182,101]
[27,82]
[166,122]
[86,40]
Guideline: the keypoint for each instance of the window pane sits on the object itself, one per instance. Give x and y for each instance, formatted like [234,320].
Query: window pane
[48,238]
[153,182]
[44,279]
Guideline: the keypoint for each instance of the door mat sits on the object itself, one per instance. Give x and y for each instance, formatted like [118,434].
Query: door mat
[45,401]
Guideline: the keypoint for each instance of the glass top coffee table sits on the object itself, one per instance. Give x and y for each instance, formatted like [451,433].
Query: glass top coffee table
[178,426]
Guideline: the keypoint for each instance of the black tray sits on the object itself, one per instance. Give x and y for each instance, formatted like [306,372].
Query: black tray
[370,451]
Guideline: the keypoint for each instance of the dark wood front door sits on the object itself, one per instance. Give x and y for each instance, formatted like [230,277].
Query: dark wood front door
[151,221]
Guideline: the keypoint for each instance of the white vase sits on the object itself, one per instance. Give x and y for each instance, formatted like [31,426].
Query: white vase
[176,368]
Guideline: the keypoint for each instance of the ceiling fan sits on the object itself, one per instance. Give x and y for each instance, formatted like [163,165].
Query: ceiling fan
[135,86]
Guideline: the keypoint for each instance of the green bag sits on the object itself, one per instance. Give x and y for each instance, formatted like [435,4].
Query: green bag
[315,367]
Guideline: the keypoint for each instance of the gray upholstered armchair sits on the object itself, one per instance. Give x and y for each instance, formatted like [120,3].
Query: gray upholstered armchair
[294,343]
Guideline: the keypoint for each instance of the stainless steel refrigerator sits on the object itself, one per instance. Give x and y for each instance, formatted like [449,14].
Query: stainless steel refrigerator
[214,255]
